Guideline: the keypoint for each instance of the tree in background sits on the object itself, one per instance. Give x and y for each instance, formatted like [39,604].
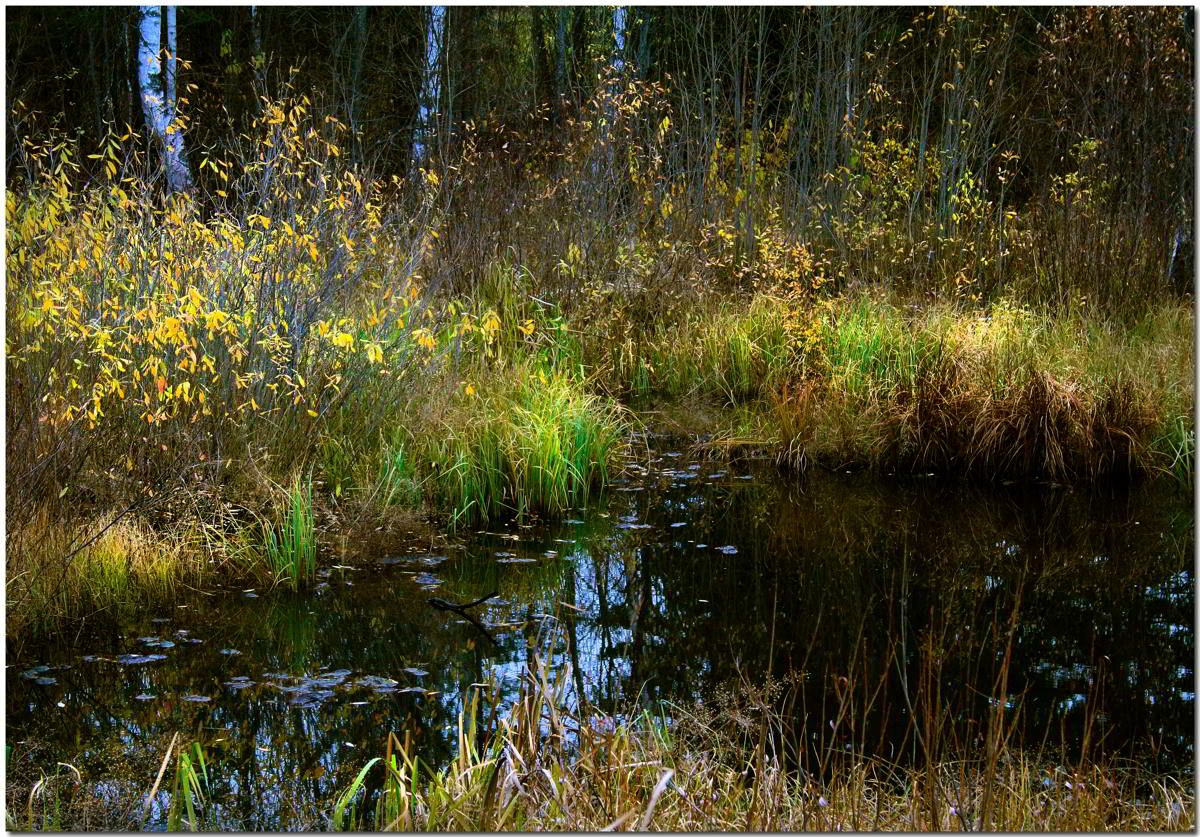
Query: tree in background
[157,81]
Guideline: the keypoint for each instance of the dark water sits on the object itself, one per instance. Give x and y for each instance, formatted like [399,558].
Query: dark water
[879,596]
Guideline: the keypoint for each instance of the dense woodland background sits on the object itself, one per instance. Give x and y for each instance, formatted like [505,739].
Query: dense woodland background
[837,113]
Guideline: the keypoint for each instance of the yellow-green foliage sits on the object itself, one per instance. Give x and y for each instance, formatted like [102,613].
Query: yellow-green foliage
[56,572]
[527,440]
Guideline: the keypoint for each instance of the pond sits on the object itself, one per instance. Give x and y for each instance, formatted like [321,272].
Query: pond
[867,596]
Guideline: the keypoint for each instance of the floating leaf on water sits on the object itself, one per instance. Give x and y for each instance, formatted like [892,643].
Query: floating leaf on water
[34,672]
[416,672]
[680,523]
[409,690]
[563,540]
[728,550]
[340,567]
[371,681]
[45,681]
[138,659]
[310,699]
[632,526]
[504,554]
[358,703]
[196,698]
[160,619]
[572,521]
[516,561]
[149,639]
[275,676]
[550,553]
[240,677]
[145,697]
[94,658]
[333,678]
[250,595]
[427,580]
[230,652]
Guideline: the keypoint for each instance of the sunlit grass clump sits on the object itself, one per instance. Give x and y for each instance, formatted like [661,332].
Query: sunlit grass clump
[290,546]
[530,441]
[57,573]
[1004,391]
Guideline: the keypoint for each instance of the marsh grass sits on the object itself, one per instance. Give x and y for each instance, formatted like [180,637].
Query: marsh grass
[1004,392]
[533,440]
[187,791]
[290,546]
[547,767]
[57,574]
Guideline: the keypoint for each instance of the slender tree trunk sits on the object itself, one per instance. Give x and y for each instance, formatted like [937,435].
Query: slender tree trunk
[542,91]
[356,73]
[428,105]
[560,57]
[157,85]
[643,50]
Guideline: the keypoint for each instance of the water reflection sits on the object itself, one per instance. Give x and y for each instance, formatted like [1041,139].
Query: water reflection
[1068,611]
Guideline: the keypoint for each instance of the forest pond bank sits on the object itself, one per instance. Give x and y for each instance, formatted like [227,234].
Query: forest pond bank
[691,576]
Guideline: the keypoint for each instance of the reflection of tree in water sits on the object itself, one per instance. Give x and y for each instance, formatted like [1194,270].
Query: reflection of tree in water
[899,587]
[834,573]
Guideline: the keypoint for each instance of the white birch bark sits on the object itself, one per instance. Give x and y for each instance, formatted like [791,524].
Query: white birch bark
[157,85]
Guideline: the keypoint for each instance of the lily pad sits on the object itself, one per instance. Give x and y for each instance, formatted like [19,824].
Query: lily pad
[728,550]
[138,659]
[230,652]
[416,672]
[196,698]
[375,683]
[45,681]
[34,672]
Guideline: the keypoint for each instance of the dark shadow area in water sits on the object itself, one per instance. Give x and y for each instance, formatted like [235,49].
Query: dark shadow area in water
[872,598]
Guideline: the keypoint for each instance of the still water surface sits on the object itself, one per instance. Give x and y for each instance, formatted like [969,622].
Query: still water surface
[690,576]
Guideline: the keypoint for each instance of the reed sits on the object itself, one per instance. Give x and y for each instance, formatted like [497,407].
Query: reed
[290,547]
[535,441]
[546,767]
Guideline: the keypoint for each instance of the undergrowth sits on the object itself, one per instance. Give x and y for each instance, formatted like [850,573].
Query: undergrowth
[457,343]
